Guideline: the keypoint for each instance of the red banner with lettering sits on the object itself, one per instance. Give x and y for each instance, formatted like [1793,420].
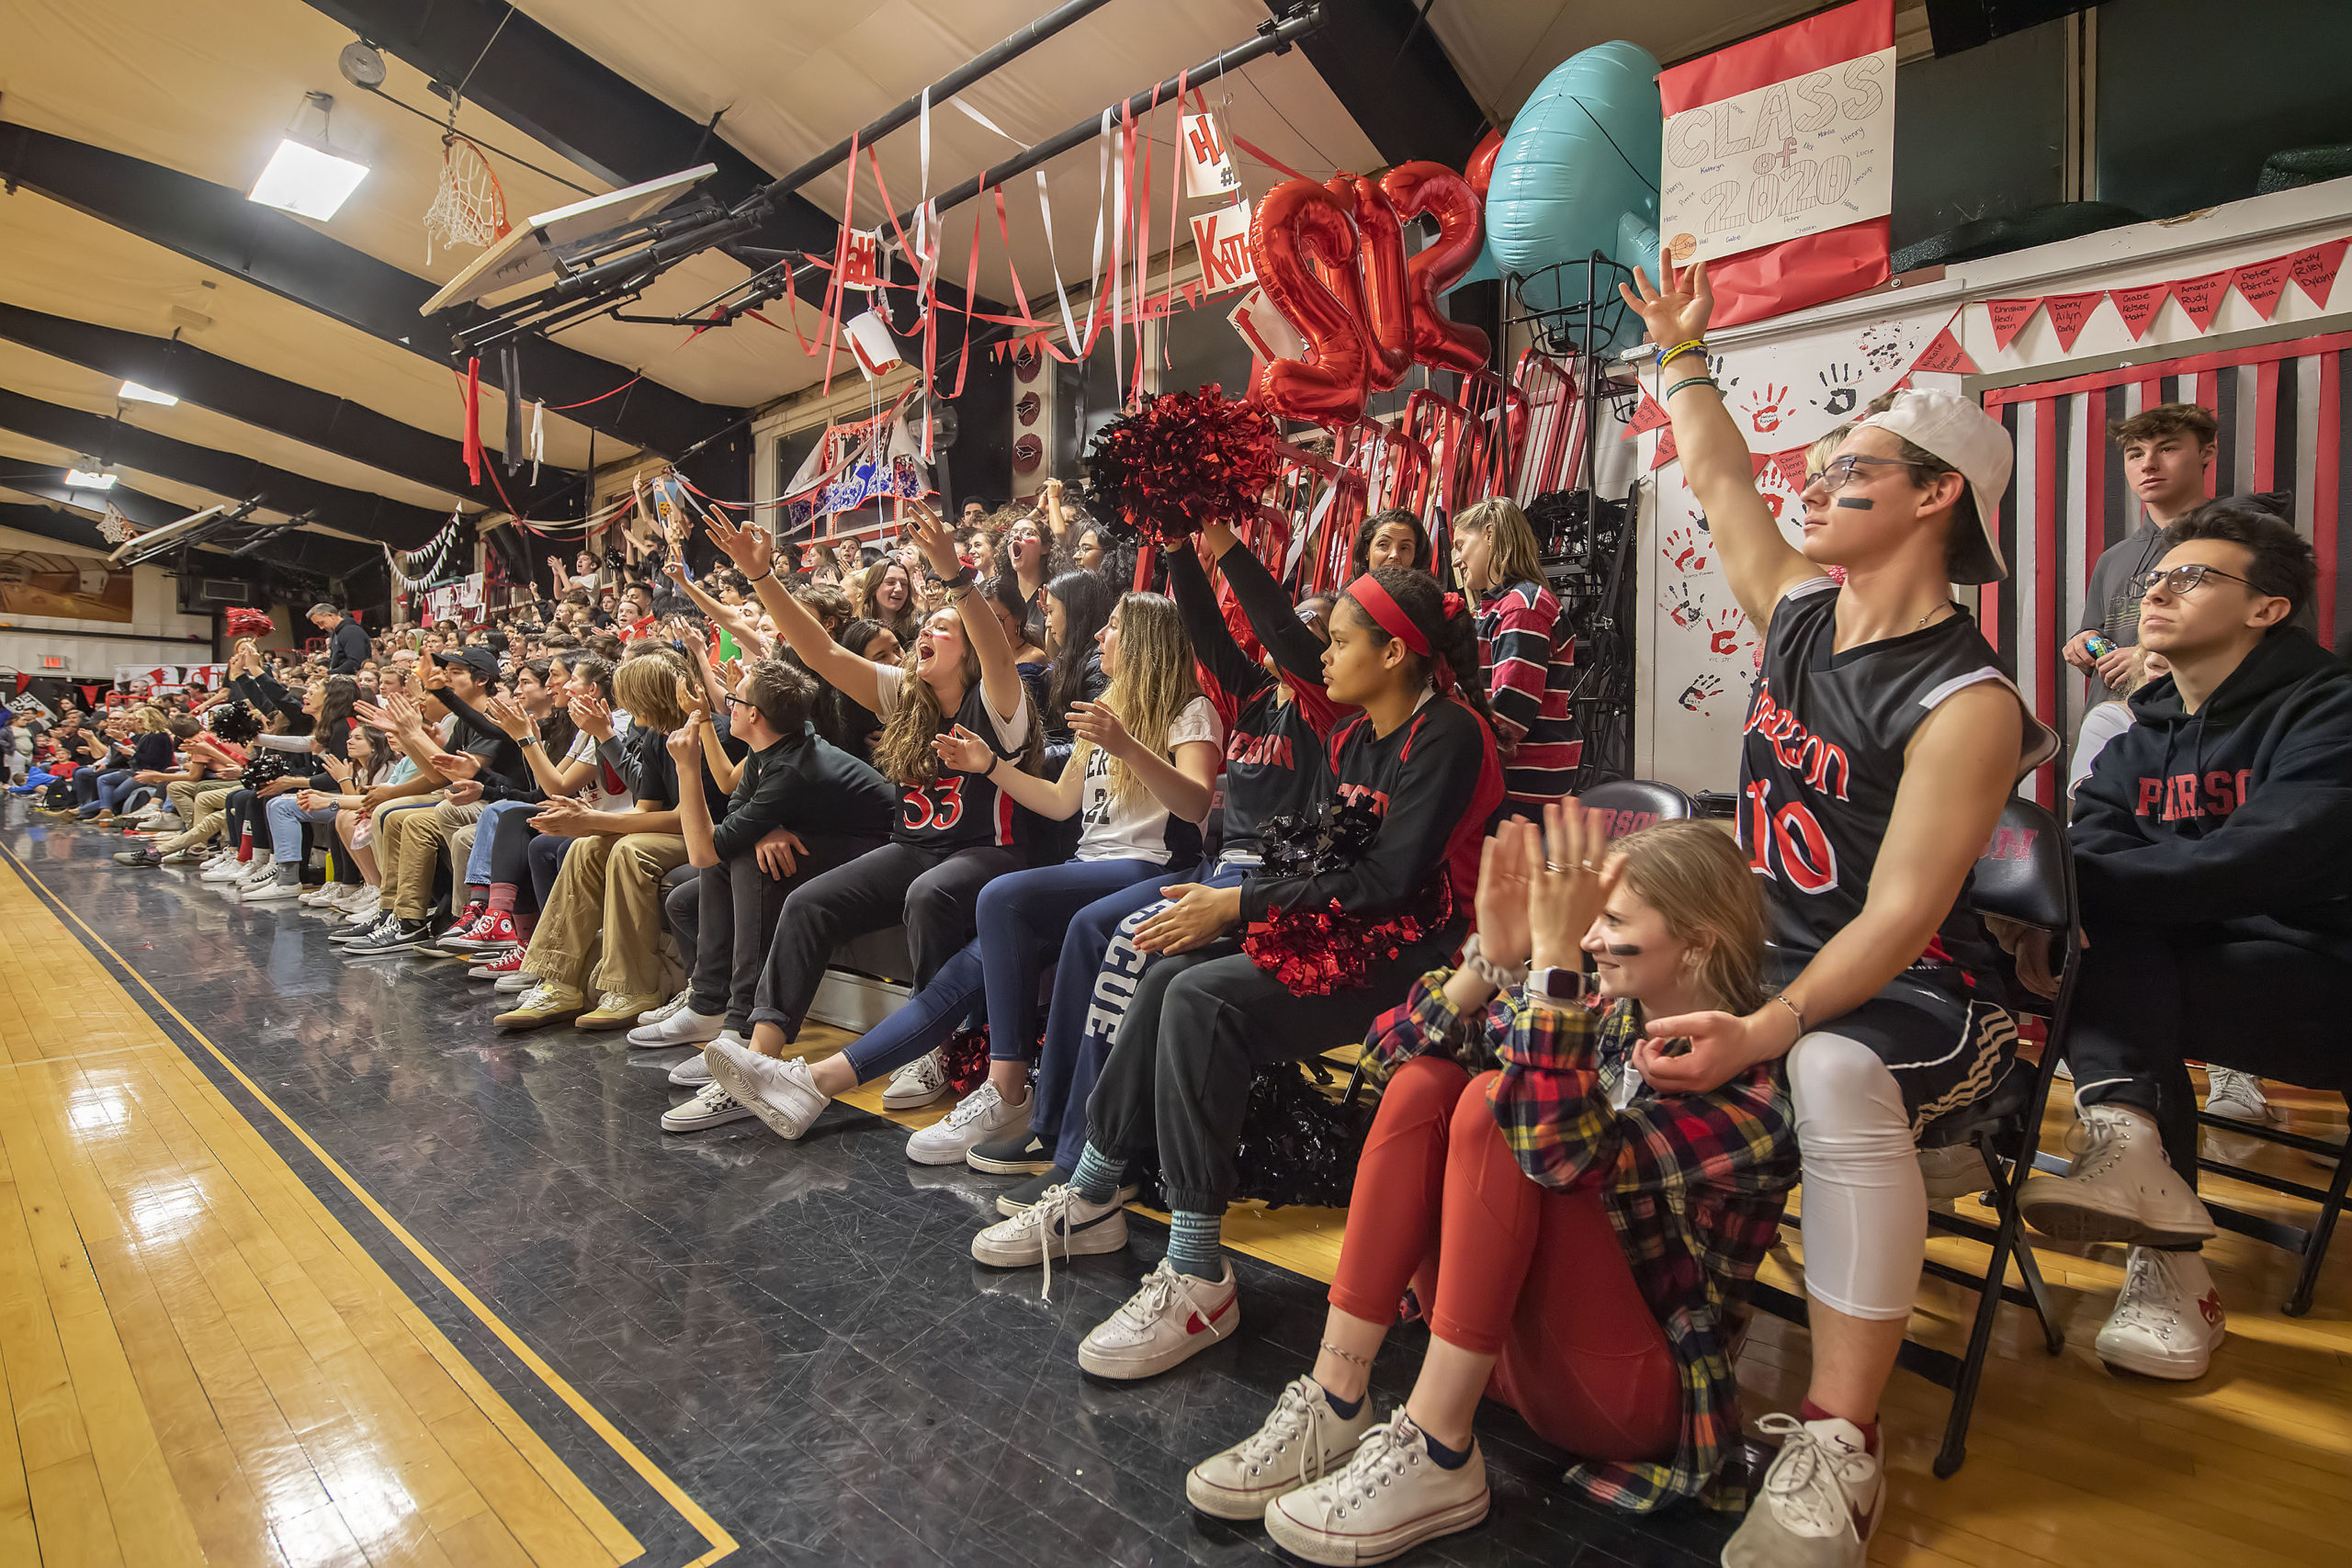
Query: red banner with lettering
[1795,273]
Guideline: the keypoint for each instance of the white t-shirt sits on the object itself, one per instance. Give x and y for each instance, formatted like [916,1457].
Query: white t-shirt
[1138,827]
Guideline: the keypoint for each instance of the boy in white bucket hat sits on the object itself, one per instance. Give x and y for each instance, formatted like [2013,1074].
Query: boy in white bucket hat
[1882,741]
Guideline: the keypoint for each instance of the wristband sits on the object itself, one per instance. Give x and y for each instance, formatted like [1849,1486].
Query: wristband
[1694,381]
[1667,355]
[763,576]
[963,579]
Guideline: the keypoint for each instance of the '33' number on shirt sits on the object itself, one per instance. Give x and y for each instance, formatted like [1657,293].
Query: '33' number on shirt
[938,804]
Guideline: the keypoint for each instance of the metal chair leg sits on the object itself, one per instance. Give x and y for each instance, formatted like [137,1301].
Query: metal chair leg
[2323,1230]
[2052,1337]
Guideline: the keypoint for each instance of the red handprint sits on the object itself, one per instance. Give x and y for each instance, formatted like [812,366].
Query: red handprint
[1686,549]
[1764,409]
[1724,629]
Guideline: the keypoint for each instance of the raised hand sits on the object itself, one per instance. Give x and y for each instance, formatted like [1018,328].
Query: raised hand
[1676,313]
[686,742]
[508,716]
[693,701]
[747,544]
[591,713]
[1569,878]
[1503,893]
[936,539]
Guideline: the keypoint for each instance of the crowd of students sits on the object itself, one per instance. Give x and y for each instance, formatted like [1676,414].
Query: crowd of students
[1239,840]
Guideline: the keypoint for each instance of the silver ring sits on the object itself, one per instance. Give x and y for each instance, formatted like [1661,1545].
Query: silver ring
[1554,865]
[1588,866]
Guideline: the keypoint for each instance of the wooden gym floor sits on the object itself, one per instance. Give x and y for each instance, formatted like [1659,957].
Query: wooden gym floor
[230,1334]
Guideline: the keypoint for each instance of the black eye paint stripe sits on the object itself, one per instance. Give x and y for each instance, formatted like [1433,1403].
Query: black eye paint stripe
[1857,502]
[1624,950]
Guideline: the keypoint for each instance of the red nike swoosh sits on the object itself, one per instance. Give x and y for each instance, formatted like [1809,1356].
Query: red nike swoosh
[1193,1323]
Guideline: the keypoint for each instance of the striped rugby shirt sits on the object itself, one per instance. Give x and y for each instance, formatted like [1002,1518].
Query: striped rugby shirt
[1529,656]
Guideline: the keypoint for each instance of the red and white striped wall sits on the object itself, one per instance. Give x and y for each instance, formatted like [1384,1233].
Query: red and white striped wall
[2283,427]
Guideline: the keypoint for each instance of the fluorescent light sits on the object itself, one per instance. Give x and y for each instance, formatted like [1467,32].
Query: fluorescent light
[83,478]
[133,392]
[306,180]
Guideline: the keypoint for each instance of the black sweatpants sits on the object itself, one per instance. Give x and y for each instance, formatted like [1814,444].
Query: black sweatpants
[2150,998]
[930,894]
[1200,1026]
[724,915]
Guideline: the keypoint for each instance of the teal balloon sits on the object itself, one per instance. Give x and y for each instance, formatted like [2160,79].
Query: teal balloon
[1579,173]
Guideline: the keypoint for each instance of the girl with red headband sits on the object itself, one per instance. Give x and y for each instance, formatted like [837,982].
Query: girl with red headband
[1420,759]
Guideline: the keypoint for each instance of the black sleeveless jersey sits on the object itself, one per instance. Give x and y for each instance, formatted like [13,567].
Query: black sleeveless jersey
[957,811]
[1821,758]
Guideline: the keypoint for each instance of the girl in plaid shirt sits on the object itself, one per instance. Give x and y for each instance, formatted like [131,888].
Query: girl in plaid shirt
[1580,1243]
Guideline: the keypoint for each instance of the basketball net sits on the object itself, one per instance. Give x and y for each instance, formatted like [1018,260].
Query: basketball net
[469,208]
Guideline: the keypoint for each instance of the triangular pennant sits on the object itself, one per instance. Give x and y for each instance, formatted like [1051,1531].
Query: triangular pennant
[1666,452]
[1945,358]
[1650,415]
[2139,306]
[1756,463]
[2315,270]
[2201,297]
[2069,311]
[2261,283]
[2009,317]
[1790,465]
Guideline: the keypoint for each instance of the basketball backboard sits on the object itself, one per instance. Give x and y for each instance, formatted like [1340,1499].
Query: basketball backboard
[528,249]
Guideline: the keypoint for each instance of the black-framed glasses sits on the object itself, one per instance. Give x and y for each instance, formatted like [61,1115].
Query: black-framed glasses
[2183,579]
[1843,471]
[733,701]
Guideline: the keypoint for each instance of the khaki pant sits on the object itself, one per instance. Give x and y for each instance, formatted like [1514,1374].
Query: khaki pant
[608,888]
[204,806]
[392,822]
[424,839]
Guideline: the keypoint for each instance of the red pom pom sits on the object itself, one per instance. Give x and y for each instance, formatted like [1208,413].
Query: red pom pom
[243,622]
[1316,953]
[1182,461]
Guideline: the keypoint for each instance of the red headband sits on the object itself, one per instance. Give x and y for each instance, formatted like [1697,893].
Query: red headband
[1373,600]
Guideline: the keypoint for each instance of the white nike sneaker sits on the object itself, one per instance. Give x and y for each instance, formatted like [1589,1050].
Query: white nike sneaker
[916,1085]
[2167,1321]
[668,1025]
[782,1094]
[1303,1440]
[1060,1222]
[1819,1502]
[978,1117]
[227,868]
[1168,1320]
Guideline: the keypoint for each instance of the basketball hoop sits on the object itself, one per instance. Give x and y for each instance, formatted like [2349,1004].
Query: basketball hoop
[469,208]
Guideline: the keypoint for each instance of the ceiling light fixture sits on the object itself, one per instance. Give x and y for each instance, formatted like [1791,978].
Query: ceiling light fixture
[132,392]
[306,176]
[89,478]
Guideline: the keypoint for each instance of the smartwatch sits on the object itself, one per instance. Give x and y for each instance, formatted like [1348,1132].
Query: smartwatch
[1556,986]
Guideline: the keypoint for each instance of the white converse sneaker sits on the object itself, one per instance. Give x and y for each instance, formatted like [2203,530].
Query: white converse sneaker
[978,1117]
[1819,1502]
[677,1026]
[1301,1442]
[363,905]
[1390,1497]
[915,1085]
[2229,1092]
[782,1094]
[693,1072]
[1060,1222]
[2121,1188]
[714,1107]
[227,868]
[2168,1320]
[1168,1320]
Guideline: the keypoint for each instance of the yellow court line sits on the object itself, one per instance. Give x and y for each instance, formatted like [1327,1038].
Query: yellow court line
[720,1543]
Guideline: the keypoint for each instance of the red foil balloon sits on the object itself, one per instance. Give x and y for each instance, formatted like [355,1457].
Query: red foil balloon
[1418,187]
[1298,221]
[1385,303]
[1480,170]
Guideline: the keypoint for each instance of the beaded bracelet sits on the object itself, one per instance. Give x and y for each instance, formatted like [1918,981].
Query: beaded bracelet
[1486,969]
[1667,356]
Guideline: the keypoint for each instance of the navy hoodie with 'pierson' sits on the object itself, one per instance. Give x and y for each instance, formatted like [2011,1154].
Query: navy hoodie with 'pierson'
[2238,816]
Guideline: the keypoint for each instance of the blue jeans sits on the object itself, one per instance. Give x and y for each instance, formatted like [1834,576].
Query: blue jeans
[107,789]
[1092,984]
[486,839]
[1016,912]
[1020,916]
[285,819]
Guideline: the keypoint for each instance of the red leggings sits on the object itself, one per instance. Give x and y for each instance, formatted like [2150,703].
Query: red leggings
[1507,1268]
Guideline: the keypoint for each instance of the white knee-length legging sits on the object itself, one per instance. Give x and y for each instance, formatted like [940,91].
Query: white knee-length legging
[1865,1203]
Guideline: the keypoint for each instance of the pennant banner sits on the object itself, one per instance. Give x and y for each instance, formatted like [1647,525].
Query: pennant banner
[2139,306]
[2009,317]
[2260,284]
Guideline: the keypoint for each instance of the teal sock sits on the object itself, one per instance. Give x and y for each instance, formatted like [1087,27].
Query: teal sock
[1096,1179]
[1195,1244]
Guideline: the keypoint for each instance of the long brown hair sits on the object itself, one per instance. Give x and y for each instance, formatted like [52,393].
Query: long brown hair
[1152,685]
[903,755]
[1694,876]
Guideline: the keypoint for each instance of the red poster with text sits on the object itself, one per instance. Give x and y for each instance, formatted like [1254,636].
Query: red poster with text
[1793,274]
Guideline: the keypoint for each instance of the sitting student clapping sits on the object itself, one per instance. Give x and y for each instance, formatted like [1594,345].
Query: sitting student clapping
[1577,1240]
